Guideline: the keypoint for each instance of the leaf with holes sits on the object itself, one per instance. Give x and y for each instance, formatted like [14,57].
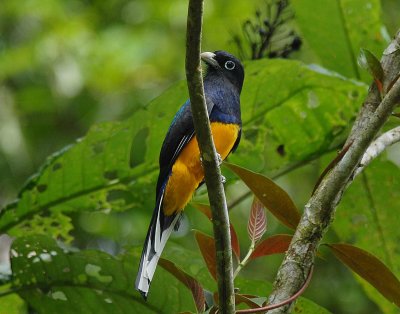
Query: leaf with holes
[274,198]
[206,210]
[275,244]
[52,279]
[115,165]
[257,224]
[207,248]
[370,268]
[191,283]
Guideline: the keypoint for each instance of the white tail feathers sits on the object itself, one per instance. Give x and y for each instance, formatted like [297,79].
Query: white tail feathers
[153,247]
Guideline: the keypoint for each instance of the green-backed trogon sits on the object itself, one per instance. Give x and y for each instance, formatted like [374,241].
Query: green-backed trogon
[181,171]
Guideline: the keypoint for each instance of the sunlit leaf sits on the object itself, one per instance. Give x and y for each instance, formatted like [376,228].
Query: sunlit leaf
[274,198]
[191,283]
[207,249]
[54,280]
[275,244]
[257,224]
[370,268]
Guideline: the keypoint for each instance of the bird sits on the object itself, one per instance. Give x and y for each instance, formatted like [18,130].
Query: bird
[181,171]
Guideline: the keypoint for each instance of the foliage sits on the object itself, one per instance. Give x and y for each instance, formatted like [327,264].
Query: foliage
[68,64]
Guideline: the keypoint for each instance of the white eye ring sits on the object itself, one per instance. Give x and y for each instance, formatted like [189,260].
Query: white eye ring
[230,65]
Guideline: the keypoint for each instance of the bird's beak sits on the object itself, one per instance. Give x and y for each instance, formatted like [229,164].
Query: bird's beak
[208,57]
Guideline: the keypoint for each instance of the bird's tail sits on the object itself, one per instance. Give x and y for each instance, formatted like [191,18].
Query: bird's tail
[159,231]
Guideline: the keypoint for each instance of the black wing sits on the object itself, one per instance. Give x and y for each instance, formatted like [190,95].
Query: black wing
[179,134]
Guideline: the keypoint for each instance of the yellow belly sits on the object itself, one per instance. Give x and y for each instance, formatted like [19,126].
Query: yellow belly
[187,171]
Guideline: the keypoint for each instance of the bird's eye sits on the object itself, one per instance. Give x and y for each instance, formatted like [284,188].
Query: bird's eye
[230,65]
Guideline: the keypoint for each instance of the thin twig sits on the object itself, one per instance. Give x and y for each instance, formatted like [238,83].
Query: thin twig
[212,171]
[377,147]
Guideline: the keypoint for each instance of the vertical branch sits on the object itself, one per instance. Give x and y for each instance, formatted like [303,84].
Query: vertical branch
[209,157]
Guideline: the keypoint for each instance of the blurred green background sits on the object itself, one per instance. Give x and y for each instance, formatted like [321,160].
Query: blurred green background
[66,65]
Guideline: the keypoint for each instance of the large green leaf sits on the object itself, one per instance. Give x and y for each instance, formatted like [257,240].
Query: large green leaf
[367,219]
[291,113]
[335,30]
[53,280]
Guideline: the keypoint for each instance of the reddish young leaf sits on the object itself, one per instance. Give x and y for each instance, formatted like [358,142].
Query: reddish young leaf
[370,268]
[206,210]
[235,242]
[190,282]
[274,198]
[275,244]
[257,224]
[207,249]
[246,299]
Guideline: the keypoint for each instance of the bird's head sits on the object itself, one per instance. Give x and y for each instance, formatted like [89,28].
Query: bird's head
[226,64]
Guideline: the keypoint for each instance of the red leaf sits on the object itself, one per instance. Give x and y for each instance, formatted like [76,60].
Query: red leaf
[207,249]
[206,210]
[273,245]
[274,198]
[257,224]
[246,299]
[191,283]
[235,242]
[370,268]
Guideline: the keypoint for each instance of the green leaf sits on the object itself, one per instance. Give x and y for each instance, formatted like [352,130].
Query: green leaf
[366,218]
[344,26]
[12,304]
[369,62]
[300,113]
[370,268]
[390,9]
[270,194]
[94,174]
[53,280]
[293,113]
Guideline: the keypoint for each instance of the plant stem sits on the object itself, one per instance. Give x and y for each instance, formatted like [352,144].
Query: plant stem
[245,259]
[212,171]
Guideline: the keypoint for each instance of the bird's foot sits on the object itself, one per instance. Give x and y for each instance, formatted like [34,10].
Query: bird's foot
[223,179]
[219,159]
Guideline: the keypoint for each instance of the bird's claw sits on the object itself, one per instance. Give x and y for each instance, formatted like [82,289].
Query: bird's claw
[219,159]
[223,179]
